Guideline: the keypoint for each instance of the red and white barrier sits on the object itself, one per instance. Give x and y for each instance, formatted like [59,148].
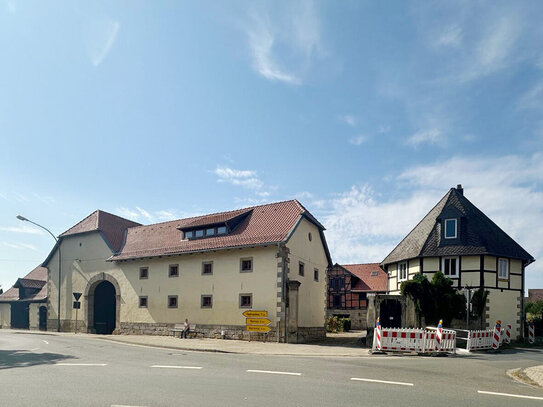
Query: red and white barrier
[531,332]
[507,337]
[496,336]
[479,340]
[378,335]
[439,335]
[413,340]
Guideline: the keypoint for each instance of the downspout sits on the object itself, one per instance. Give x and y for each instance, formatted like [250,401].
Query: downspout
[282,253]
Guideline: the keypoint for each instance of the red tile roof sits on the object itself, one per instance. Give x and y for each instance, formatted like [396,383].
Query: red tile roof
[33,279]
[535,295]
[368,282]
[264,224]
[113,227]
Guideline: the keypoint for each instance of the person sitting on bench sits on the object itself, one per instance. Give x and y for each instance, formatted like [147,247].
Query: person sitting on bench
[186,330]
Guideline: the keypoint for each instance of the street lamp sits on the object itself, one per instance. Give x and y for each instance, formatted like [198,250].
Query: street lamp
[59,262]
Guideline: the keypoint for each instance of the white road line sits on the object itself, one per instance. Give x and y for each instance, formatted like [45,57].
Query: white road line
[80,364]
[509,395]
[274,372]
[177,367]
[381,381]
[47,343]
[124,405]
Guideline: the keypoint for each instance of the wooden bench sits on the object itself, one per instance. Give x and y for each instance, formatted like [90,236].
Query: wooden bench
[193,331]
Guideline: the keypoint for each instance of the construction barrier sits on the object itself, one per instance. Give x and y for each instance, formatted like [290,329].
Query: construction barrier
[496,336]
[479,340]
[412,340]
[507,337]
[531,332]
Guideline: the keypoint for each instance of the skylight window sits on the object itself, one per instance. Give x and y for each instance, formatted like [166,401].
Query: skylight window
[450,229]
[374,273]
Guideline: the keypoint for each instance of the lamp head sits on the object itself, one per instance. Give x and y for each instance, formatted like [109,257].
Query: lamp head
[21,218]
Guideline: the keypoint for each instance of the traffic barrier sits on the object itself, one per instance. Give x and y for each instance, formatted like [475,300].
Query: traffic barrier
[479,340]
[439,335]
[496,336]
[507,337]
[413,340]
[531,332]
[378,335]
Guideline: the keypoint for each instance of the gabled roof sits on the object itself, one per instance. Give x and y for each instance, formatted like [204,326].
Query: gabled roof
[112,226]
[36,279]
[477,234]
[372,278]
[535,294]
[260,225]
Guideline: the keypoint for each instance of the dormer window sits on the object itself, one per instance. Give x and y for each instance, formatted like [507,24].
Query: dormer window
[189,235]
[210,232]
[199,233]
[221,230]
[204,232]
[451,228]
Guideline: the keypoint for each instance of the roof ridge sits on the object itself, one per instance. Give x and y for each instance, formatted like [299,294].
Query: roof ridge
[358,264]
[216,213]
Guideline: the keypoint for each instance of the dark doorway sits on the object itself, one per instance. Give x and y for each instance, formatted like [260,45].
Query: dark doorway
[391,314]
[19,315]
[104,308]
[43,318]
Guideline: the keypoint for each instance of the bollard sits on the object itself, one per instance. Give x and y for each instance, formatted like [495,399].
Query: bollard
[531,332]
[507,338]
[439,335]
[497,334]
[378,334]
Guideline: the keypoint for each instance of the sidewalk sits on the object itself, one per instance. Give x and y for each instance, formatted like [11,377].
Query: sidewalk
[530,375]
[337,345]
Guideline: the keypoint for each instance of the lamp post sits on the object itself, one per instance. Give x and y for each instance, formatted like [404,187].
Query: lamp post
[59,263]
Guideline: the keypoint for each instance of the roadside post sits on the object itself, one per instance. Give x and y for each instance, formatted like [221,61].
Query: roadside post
[467,294]
[77,306]
[439,335]
[507,338]
[378,334]
[257,321]
[497,335]
[531,332]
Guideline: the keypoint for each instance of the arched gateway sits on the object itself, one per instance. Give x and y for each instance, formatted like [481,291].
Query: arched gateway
[102,304]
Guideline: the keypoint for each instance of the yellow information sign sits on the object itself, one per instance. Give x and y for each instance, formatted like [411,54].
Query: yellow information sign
[257,328]
[257,321]
[255,314]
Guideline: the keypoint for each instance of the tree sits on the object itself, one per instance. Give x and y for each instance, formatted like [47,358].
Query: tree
[435,300]
[535,308]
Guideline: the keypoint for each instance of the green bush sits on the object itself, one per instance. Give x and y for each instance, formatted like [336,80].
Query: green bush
[344,324]
[332,324]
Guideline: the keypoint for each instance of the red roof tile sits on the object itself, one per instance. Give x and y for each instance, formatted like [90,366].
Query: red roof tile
[535,294]
[368,282]
[35,279]
[264,224]
[112,226]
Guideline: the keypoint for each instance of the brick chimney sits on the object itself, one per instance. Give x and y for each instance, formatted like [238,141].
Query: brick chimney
[460,189]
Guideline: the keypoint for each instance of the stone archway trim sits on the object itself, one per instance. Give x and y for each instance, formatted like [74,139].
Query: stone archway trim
[89,300]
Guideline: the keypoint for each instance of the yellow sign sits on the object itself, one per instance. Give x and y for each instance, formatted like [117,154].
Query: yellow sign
[257,328]
[257,321]
[255,314]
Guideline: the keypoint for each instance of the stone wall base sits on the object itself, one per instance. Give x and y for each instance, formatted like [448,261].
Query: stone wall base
[358,316]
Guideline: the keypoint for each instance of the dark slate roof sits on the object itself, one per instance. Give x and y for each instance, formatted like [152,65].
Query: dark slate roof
[36,279]
[478,234]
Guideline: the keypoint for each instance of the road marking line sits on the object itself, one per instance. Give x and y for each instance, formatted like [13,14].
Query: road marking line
[381,381]
[177,367]
[509,395]
[274,372]
[81,364]
[124,405]
[47,343]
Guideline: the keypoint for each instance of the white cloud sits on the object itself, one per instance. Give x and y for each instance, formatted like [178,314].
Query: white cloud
[31,230]
[348,119]
[18,246]
[383,129]
[432,137]
[101,36]
[357,140]
[533,98]
[363,226]
[10,6]
[244,178]
[283,44]
[450,37]
[128,213]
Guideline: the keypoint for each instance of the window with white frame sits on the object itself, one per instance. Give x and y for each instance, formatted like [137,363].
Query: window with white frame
[402,271]
[450,266]
[450,229]
[503,269]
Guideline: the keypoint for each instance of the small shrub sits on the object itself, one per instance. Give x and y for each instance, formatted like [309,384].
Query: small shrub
[332,324]
[344,324]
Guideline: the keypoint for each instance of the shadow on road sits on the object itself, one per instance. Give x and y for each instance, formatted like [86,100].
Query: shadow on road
[20,358]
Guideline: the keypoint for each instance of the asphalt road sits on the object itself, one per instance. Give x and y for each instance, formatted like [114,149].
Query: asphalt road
[49,370]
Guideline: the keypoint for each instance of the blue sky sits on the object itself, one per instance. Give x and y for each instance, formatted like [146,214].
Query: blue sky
[367,112]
